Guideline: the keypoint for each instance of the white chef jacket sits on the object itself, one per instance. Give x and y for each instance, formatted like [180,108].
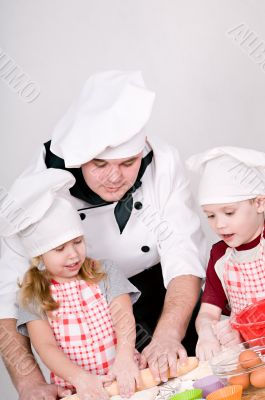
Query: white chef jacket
[162,228]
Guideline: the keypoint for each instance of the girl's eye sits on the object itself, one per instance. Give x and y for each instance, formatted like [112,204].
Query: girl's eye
[210,216]
[59,248]
[78,241]
[229,213]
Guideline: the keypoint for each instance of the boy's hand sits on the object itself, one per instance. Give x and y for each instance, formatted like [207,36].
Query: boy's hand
[90,387]
[224,332]
[126,372]
[207,347]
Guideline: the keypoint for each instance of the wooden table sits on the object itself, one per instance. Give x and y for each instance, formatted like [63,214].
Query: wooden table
[254,394]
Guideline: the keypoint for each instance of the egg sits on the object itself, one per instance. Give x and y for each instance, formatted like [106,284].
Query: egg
[257,378]
[242,380]
[249,359]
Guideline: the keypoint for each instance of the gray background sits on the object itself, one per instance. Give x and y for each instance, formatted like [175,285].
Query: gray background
[210,89]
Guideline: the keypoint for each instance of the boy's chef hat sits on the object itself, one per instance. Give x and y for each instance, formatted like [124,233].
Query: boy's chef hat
[229,174]
[106,120]
[38,209]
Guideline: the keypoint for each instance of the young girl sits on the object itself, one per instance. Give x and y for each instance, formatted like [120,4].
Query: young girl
[77,311]
[232,195]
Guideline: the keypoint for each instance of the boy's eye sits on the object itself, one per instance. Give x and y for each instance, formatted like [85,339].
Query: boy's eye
[210,216]
[78,241]
[229,213]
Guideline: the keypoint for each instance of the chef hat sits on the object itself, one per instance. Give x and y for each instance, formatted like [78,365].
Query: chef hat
[38,209]
[106,121]
[229,174]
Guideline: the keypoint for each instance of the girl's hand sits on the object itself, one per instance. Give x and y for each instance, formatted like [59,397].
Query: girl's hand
[126,372]
[90,387]
[207,347]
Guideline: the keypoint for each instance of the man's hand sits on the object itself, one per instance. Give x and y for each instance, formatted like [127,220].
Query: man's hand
[165,348]
[23,370]
[162,354]
[43,391]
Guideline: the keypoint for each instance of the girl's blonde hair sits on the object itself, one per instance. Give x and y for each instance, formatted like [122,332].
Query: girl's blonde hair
[35,292]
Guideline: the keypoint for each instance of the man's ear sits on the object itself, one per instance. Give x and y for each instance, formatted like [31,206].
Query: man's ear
[260,203]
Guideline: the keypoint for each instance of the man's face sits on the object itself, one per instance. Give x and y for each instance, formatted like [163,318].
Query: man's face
[236,223]
[111,179]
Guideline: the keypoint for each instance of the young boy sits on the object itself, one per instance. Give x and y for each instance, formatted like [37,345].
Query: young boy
[232,195]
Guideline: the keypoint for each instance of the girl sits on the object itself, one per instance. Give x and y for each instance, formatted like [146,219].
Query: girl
[77,311]
[232,195]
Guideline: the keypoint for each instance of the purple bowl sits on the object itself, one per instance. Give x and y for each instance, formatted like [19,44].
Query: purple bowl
[208,384]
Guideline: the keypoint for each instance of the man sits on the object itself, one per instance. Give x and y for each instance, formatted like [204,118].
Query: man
[134,201]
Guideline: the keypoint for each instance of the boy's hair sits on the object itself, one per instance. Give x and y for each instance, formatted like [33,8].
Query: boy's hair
[35,292]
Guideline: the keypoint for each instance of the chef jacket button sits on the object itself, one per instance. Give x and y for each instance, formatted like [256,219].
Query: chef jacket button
[138,205]
[145,249]
[82,216]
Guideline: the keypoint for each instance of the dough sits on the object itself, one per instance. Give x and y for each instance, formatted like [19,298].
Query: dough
[147,394]
[202,370]
[147,379]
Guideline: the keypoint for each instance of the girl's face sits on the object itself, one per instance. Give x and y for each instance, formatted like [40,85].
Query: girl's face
[236,223]
[65,261]
[111,179]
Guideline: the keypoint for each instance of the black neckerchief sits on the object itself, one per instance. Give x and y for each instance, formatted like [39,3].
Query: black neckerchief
[80,190]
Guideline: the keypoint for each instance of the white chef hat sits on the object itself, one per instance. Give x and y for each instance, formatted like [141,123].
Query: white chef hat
[38,209]
[106,121]
[229,174]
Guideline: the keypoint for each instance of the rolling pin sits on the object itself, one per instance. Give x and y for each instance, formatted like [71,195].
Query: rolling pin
[147,378]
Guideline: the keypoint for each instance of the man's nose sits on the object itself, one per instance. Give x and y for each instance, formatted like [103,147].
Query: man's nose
[114,175]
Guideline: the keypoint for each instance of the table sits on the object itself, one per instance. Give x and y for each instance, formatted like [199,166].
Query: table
[254,394]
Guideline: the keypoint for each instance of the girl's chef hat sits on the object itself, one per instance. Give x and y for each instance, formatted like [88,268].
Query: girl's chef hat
[229,174]
[38,209]
[106,120]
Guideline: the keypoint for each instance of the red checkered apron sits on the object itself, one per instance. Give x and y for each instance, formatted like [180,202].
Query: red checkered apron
[83,327]
[245,281]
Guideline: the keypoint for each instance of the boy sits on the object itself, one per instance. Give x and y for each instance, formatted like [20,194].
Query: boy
[232,195]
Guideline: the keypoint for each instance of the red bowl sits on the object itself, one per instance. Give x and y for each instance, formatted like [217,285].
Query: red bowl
[250,322]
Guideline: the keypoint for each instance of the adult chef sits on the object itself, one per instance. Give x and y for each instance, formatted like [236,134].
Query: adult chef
[134,201]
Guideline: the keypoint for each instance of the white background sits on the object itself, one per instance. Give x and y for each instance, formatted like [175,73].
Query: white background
[209,89]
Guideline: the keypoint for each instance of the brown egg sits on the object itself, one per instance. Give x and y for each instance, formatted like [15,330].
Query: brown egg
[257,378]
[249,358]
[242,380]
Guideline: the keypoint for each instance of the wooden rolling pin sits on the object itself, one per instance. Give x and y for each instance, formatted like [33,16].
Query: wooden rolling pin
[147,378]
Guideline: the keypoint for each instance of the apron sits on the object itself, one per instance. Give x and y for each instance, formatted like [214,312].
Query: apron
[245,281]
[82,327]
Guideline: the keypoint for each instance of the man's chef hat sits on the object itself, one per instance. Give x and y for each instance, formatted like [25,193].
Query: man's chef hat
[106,120]
[38,209]
[229,174]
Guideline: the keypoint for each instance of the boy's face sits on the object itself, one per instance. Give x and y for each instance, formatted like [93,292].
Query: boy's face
[237,223]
